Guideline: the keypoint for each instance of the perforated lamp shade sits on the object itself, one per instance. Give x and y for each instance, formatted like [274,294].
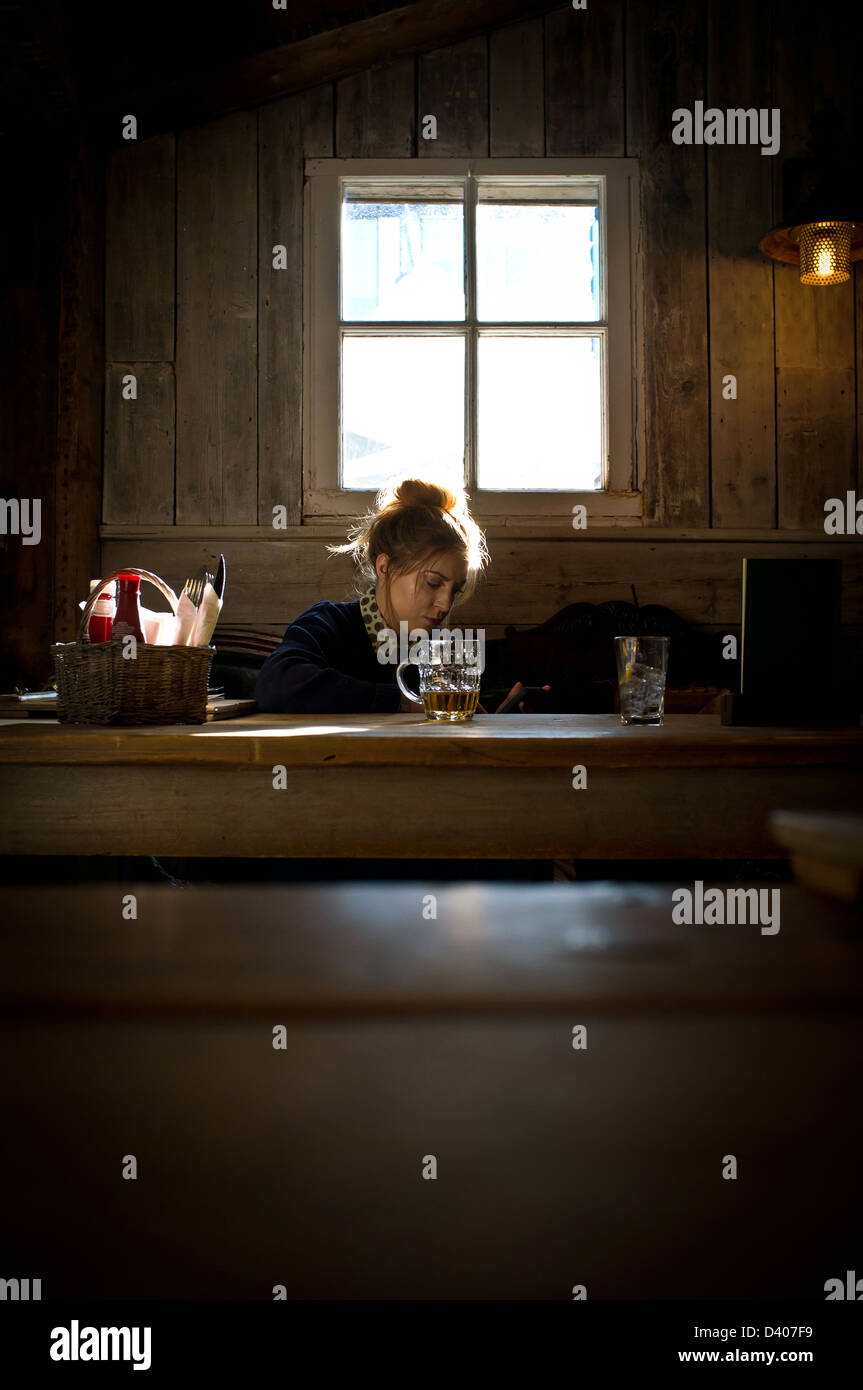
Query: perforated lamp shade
[825,252]
[817,232]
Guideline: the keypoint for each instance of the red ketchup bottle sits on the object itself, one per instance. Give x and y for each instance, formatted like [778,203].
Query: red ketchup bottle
[127,623]
[102,616]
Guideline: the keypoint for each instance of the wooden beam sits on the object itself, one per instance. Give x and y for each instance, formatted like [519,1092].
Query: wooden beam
[414,28]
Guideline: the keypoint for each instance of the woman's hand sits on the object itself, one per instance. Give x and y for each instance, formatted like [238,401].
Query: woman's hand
[519,685]
[481,709]
[528,705]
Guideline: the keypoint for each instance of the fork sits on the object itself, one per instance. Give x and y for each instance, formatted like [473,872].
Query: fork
[194,587]
[187,608]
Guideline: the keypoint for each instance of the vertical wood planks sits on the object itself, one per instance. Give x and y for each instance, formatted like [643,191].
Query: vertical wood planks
[453,87]
[553,85]
[816,425]
[665,70]
[289,131]
[80,376]
[584,100]
[140,298]
[139,252]
[139,444]
[517,104]
[375,113]
[217,322]
[857,275]
[739,212]
[29,311]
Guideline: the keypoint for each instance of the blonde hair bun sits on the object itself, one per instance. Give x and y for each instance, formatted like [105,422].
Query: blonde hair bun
[413,492]
[413,519]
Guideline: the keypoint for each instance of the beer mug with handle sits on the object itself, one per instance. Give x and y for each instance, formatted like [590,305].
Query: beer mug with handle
[450,668]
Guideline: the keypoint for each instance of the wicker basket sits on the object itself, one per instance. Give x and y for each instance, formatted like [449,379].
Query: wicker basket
[97,684]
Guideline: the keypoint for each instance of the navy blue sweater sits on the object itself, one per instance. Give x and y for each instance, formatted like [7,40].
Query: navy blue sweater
[326,664]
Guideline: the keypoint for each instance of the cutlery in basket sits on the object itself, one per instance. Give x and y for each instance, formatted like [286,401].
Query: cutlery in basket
[209,607]
[188,604]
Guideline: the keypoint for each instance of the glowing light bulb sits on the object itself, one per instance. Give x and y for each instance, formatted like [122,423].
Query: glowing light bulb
[825,253]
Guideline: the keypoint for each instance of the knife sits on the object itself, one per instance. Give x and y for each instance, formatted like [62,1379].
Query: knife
[209,609]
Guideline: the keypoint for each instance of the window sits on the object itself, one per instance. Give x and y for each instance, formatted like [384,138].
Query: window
[472,320]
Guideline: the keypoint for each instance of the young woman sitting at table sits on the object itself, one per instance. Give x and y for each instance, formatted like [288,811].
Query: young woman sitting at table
[417,553]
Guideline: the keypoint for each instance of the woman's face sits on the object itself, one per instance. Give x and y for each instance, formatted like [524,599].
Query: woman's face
[422,597]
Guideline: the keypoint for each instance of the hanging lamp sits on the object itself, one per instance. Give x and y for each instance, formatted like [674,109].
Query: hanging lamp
[819,230]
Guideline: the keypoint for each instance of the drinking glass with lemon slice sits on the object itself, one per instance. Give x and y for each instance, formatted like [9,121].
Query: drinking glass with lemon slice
[641,666]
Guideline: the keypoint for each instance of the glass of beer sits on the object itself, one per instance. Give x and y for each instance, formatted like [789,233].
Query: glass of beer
[450,670]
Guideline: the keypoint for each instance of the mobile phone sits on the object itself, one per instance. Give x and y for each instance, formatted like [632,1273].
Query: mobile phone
[512,704]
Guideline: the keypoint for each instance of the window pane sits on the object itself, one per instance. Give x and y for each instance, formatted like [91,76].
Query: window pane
[537,262]
[402,408]
[540,414]
[402,261]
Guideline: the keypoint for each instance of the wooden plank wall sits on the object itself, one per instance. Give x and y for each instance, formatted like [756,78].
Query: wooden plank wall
[816,428]
[80,373]
[527,581]
[288,132]
[740,282]
[665,53]
[215,436]
[140,315]
[32,251]
[217,310]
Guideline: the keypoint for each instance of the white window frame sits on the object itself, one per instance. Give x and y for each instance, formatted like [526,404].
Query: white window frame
[620,502]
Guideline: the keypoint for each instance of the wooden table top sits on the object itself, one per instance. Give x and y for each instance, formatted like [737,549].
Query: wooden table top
[523,740]
[365,949]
